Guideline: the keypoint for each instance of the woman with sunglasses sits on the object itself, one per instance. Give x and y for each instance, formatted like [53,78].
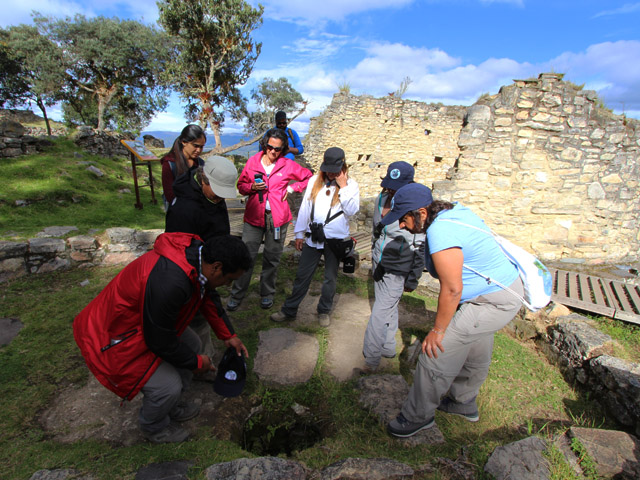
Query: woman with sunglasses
[184,154]
[266,180]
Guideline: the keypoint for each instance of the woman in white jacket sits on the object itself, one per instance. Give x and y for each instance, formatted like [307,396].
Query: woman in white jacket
[330,199]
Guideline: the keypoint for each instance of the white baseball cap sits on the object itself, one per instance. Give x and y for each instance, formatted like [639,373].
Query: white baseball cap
[222,175]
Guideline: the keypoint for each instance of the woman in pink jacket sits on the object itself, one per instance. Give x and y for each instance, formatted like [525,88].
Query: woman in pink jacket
[266,180]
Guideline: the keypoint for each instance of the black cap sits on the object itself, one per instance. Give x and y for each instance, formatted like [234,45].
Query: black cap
[232,374]
[281,116]
[333,160]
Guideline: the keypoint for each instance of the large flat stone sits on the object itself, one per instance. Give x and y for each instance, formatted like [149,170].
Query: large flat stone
[616,454]
[522,460]
[285,357]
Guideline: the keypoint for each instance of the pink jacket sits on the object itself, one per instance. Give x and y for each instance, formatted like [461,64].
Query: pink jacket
[284,171]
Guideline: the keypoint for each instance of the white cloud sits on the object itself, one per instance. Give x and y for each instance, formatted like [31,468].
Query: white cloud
[610,68]
[623,10]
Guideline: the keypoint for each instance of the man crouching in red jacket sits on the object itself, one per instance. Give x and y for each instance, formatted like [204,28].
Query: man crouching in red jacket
[134,334]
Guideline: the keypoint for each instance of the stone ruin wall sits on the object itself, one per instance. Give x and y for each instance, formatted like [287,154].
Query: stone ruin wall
[541,161]
[374,132]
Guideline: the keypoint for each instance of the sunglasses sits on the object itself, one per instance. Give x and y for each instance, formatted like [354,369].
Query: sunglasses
[276,149]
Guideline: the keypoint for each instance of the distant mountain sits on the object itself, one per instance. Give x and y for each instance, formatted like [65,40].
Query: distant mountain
[227,139]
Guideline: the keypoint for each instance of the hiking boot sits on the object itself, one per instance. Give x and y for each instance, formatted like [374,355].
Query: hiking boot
[170,434]
[281,317]
[184,411]
[366,370]
[266,303]
[401,427]
[324,319]
[467,410]
[232,305]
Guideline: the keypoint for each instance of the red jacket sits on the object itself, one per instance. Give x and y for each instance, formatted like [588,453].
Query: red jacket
[284,171]
[109,331]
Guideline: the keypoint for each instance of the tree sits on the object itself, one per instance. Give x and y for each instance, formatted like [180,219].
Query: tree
[117,62]
[215,57]
[124,114]
[271,96]
[31,69]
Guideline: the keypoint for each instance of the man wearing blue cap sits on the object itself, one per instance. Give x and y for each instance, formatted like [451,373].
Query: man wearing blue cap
[397,262]
[456,353]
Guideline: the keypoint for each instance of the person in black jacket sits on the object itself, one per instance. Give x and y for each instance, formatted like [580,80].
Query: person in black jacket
[199,207]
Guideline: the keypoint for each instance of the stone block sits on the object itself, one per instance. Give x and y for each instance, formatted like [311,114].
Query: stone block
[53,265]
[120,235]
[12,268]
[13,249]
[46,245]
[82,242]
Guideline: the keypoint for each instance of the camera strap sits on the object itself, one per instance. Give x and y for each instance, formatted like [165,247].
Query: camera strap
[329,218]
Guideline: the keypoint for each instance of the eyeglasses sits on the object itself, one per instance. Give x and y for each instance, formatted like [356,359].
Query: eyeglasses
[275,149]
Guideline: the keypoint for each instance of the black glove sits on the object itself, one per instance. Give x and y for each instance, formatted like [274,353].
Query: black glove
[378,273]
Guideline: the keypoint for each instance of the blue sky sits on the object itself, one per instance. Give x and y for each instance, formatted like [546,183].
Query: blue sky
[452,50]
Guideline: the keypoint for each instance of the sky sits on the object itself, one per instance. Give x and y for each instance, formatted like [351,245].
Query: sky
[452,51]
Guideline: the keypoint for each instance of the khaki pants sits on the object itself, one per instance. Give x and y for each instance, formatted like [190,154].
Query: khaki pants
[463,367]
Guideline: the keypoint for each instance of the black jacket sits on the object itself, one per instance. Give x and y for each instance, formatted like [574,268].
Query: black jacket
[192,212]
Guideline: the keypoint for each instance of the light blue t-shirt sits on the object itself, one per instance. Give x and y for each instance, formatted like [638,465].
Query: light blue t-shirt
[481,252]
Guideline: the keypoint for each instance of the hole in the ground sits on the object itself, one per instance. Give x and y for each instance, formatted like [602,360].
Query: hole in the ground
[283,431]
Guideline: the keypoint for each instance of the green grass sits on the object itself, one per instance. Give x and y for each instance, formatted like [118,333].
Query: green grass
[626,336]
[61,191]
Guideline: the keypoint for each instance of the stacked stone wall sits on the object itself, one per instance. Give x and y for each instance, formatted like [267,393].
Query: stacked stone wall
[374,132]
[542,162]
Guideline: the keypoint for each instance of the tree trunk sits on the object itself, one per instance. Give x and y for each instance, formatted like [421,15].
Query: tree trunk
[40,104]
[105,95]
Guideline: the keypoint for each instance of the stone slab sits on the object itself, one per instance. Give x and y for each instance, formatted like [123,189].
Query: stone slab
[285,357]
[383,396]
[9,328]
[616,454]
[522,460]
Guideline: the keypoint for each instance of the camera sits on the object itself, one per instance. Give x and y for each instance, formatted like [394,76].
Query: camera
[317,232]
[349,264]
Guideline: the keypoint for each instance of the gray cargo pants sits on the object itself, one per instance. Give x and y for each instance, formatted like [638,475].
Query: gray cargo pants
[162,391]
[463,367]
[380,336]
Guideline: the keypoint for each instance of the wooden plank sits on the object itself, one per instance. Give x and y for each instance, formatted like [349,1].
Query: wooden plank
[635,297]
[621,295]
[597,292]
[585,289]
[572,282]
[561,291]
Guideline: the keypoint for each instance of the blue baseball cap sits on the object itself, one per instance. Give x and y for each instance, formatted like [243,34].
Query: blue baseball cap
[408,198]
[399,174]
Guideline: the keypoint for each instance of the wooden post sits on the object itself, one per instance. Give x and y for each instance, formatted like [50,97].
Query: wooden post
[140,155]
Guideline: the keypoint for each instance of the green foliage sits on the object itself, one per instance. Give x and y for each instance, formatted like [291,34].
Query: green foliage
[114,63]
[271,96]
[34,69]
[585,460]
[57,185]
[215,55]
[559,469]
[404,86]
